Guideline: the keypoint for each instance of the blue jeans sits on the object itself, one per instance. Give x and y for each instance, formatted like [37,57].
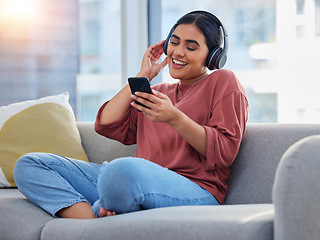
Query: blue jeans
[54,182]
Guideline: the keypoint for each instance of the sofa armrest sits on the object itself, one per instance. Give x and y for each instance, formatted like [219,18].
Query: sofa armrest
[296,192]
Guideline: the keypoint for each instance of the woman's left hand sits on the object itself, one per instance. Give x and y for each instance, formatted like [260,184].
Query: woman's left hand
[160,109]
[159,106]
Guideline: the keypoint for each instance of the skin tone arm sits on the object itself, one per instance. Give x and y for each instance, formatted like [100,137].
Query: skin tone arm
[113,111]
[161,108]
[150,68]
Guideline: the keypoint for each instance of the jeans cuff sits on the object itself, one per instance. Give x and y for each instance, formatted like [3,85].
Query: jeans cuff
[96,208]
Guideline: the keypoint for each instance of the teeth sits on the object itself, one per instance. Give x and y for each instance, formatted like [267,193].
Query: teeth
[179,62]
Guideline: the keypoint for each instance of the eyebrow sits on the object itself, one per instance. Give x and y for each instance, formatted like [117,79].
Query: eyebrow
[188,40]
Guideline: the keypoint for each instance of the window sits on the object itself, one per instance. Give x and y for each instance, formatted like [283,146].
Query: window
[90,47]
[300,7]
[100,55]
[90,36]
[270,42]
[38,49]
[113,40]
[251,26]
[317,18]
[300,31]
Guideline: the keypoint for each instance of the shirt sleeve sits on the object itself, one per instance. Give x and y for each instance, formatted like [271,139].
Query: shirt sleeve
[225,129]
[123,130]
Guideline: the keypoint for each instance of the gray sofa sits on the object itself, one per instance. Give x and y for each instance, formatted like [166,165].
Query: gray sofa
[265,200]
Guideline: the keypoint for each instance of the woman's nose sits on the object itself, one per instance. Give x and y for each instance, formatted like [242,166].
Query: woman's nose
[178,51]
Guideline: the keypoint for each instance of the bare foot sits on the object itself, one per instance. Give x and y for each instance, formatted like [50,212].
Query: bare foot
[106,213]
[80,210]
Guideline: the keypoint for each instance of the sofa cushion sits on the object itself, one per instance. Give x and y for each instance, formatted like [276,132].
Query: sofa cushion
[242,222]
[42,125]
[10,193]
[20,219]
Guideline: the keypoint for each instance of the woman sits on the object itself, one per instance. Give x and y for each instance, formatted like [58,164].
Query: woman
[187,135]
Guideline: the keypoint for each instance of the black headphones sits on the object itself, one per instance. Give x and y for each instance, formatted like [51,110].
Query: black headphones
[218,56]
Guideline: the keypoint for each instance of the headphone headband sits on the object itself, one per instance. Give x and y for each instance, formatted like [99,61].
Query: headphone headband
[218,56]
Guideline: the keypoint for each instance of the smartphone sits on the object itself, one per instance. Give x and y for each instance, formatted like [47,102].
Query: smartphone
[139,84]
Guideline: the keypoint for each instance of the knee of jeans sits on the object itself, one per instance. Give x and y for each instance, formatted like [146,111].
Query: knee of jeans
[120,175]
[119,184]
[124,170]
[20,169]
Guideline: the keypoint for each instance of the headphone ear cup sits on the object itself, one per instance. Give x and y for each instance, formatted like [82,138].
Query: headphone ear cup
[166,43]
[213,57]
[221,60]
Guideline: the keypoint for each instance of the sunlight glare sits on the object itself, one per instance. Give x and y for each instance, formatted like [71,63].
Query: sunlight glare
[18,10]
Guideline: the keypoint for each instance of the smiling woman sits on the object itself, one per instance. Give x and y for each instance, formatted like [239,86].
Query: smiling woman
[187,52]
[187,134]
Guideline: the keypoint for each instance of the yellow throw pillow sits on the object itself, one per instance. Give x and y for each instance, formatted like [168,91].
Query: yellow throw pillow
[42,125]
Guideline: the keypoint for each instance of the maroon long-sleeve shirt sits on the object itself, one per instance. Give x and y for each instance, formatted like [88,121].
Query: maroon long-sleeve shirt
[218,102]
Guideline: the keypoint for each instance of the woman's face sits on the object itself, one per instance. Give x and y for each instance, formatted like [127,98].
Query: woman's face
[187,53]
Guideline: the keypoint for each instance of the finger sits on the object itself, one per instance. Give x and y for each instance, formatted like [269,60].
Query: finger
[157,49]
[164,62]
[137,97]
[156,55]
[159,94]
[142,95]
[144,101]
[159,45]
[147,98]
[139,107]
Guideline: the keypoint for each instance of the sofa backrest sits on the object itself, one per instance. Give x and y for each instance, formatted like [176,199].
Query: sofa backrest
[99,148]
[252,173]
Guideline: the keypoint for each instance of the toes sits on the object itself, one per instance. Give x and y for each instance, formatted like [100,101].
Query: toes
[103,212]
[106,213]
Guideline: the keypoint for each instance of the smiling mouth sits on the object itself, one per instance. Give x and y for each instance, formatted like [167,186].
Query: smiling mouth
[175,61]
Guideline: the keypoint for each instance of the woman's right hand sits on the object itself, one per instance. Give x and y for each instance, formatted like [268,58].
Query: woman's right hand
[150,66]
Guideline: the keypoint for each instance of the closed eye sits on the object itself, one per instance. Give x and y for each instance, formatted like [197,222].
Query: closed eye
[174,39]
[174,43]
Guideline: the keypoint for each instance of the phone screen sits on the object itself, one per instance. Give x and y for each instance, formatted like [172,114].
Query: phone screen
[139,84]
